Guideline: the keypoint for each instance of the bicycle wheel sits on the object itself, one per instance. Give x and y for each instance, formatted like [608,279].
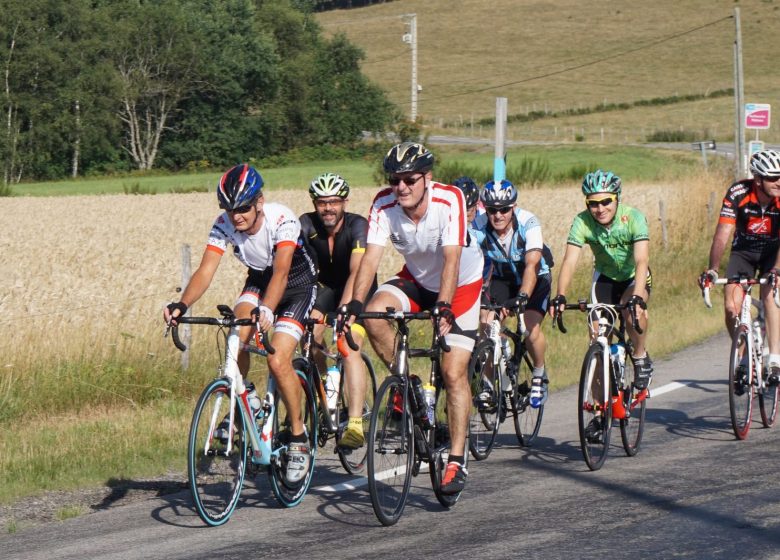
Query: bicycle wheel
[767,403]
[740,386]
[594,416]
[633,426]
[528,419]
[438,440]
[216,462]
[354,460]
[291,493]
[391,451]
[486,401]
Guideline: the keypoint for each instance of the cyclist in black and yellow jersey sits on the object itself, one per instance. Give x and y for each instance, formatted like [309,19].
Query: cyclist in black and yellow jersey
[337,238]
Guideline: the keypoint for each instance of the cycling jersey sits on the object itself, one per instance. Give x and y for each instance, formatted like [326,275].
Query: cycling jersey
[351,238]
[280,228]
[444,224]
[505,256]
[612,245]
[756,227]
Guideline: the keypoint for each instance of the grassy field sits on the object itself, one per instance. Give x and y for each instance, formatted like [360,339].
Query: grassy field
[83,332]
[568,54]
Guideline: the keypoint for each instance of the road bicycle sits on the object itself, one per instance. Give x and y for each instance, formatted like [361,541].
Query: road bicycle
[332,423]
[408,422]
[227,437]
[500,374]
[606,389]
[748,358]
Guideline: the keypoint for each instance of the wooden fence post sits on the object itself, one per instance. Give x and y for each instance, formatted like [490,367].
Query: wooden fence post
[185,332]
[662,217]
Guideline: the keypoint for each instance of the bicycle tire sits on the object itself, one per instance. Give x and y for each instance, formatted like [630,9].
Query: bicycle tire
[216,480]
[527,419]
[740,386]
[390,451]
[767,403]
[484,416]
[594,447]
[288,493]
[633,427]
[354,460]
[438,449]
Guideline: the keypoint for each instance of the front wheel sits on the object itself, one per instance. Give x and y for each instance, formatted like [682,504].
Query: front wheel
[634,402]
[740,385]
[593,414]
[354,460]
[289,493]
[390,451]
[487,401]
[216,459]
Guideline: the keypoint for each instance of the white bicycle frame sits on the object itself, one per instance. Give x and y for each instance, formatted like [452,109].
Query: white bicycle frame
[495,337]
[600,318]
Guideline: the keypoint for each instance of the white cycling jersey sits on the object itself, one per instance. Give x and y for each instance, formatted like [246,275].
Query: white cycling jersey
[444,224]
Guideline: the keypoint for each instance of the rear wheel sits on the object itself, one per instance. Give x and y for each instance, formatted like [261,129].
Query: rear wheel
[740,386]
[216,460]
[390,451]
[287,492]
[487,401]
[354,460]
[633,426]
[767,401]
[594,416]
[528,419]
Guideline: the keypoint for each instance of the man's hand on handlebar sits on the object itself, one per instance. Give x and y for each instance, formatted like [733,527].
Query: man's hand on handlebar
[172,311]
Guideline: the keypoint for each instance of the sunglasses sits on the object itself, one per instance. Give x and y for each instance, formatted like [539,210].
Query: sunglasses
[241,209]
[601,202]
[494,211]
[771,179]
[408,181]
[332,202]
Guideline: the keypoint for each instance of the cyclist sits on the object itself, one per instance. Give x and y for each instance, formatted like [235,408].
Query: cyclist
[751,214]
[618,236]
[279,291]
[426,222]
[517,264]
[471,193]
[338,240]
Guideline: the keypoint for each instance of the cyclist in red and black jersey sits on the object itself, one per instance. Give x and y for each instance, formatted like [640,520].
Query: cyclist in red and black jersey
[751,214]
[338,240]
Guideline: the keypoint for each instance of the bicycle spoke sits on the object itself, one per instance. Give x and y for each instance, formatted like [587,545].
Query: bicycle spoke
[487,401]
[740,386]
[594,417]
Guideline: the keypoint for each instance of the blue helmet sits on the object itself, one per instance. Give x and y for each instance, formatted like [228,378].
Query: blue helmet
[470,190]
[239,186]
[499,195]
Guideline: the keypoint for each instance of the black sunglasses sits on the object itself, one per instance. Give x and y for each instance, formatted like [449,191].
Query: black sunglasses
[408,181]
[494,211]
[601,202]
[241,209]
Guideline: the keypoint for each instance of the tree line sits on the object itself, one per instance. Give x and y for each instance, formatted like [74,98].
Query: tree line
[102,86]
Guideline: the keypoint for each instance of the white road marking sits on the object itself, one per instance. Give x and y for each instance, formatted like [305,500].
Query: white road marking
[674,385]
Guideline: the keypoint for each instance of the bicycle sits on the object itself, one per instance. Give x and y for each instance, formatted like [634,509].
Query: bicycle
[606,388]
[497,368]
[226,435]
[406,427]
[747,371]
[332,423]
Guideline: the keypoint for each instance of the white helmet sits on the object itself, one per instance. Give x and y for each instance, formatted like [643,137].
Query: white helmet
[328,184]
[765,163]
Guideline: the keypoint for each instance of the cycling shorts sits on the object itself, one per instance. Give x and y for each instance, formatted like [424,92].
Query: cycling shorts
[607,290]
[501,290]
[293,308]
[465,306]
[746,263]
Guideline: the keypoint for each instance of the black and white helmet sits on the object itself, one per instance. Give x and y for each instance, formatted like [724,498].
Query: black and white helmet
[408,157]
[328,184]
[765,163]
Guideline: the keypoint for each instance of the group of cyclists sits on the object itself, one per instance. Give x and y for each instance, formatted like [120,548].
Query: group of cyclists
[460,244]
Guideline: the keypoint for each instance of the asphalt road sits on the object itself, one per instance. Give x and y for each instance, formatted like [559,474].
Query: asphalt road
[693,492]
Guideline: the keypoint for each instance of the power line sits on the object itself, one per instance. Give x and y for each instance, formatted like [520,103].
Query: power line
[584,64]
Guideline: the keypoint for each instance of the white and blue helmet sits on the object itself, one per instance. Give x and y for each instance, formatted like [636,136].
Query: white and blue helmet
[498,194]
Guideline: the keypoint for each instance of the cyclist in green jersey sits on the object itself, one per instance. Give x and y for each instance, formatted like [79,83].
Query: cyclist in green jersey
[618,236]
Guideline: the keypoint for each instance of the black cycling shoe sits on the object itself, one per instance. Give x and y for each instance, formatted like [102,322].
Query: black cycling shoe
[773,379]
[643,372]
[594,430]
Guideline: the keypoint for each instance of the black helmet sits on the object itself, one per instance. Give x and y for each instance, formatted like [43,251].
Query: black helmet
[469,188]
[239,186]
[406,157]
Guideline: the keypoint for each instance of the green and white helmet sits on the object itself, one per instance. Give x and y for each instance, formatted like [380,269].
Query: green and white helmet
[328,184]
[600,181]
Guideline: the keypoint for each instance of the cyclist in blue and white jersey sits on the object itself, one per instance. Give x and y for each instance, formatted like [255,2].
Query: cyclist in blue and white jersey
[517,267]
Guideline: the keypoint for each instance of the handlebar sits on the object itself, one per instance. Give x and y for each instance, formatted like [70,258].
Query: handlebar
[518,308]
[744,282]
[402,317]
[584,306]
[224,321]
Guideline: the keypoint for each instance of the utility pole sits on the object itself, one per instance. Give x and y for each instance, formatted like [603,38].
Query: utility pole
[410,37]
[739,100]
[499,162]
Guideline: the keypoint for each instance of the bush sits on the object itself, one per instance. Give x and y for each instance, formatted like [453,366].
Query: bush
[136,188]
[672,136]
[6,190]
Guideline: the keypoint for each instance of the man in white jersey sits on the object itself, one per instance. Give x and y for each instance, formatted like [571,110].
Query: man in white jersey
[426,222]
[279,291]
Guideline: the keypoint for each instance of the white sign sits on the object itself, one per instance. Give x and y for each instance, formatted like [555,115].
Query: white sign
[757,115]
[755,146]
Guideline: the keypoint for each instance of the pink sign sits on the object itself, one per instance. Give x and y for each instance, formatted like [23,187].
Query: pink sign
[757,115]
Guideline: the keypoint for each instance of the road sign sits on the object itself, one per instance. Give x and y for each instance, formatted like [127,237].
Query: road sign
[755,146]
[757,115]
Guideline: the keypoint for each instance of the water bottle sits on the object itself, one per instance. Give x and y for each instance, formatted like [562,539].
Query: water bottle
[618,352]
[253,399]
[332,379]
[429,395]
[506,380]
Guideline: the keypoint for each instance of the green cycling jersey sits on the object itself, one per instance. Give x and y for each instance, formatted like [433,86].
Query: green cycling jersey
[613,245]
